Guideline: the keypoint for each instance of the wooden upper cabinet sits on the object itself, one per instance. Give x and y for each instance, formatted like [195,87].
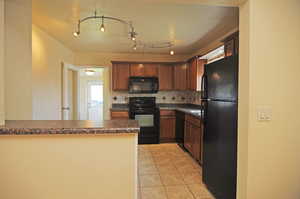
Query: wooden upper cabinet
[151,70]
[193,64]
[137,69]
[144,70]
[195,73]
[120,76]
[200,72]
[180,76]
[166,77]
[231,44]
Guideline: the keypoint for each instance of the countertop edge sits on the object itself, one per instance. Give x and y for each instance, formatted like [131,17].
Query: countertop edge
[45,127]
[182,109]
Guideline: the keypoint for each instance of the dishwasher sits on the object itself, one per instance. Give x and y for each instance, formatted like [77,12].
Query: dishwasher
[180,118]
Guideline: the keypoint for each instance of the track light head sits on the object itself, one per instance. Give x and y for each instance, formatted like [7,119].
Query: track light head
[134,47]
[102,28]
[133,35]
[76,34]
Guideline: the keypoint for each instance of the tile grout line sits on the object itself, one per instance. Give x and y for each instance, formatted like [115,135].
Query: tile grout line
[167,197]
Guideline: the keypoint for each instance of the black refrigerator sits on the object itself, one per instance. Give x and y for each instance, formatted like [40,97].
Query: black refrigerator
[219,99]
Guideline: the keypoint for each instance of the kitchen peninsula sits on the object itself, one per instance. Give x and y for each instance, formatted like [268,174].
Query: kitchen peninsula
[68,159]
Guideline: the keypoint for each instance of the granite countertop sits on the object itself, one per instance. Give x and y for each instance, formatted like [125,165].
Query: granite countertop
[46,127]
[192,109]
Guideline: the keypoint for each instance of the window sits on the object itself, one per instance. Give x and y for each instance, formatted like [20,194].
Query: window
[214,55]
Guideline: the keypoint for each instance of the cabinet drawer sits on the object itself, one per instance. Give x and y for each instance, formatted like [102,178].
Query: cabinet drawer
[167,113]
[191,119]
[119,114]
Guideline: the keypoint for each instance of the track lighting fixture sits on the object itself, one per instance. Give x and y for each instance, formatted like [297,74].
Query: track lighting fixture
[132,33]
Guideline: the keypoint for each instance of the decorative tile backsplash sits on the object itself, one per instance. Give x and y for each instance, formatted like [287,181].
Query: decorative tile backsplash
[176,97]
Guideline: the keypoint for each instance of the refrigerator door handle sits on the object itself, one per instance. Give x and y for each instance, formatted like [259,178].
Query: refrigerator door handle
[204,110]
[204,87]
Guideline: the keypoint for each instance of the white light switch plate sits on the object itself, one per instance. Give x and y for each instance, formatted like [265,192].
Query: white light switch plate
[264,113]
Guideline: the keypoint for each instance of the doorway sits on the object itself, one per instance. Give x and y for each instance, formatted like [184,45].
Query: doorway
[95,100]
[91,101]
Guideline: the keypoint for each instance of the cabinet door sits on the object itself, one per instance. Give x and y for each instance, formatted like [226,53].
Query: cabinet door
[120,76]
[200,72]
[137,70]
[187,137]
[180,77]
[150,70]
[196,137]
[231,44]
[193,74]
[229,48]
[166,77]
[167,128]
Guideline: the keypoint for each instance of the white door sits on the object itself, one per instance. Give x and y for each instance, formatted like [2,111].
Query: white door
[95,100]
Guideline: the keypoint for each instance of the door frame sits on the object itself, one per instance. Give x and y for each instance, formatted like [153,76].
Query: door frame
[65,106]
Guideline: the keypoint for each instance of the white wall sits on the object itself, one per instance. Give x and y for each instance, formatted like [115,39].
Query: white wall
[270,56]
[2,47]
[18,73]
[47,57]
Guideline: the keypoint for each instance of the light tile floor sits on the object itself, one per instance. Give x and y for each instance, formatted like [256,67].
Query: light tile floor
[165,171]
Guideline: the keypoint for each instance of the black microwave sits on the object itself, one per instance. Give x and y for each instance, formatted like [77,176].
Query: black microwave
[143,85]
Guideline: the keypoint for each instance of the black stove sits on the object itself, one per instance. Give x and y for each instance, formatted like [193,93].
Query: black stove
[144,110]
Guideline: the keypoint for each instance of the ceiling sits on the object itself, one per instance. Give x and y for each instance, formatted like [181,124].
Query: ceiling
[188,25]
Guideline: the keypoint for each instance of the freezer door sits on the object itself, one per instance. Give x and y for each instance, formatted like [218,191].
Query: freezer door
[221,79]
[220,148]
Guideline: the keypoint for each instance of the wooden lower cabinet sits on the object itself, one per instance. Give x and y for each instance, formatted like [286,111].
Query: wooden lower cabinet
[193,137]
[167,126]
[119,115]
[188,137]
[196,143]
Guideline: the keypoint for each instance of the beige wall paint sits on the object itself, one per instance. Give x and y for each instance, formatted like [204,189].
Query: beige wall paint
[18,73]
[2,47]
[68,166]
[47,57]
[273,147]
[243,106]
